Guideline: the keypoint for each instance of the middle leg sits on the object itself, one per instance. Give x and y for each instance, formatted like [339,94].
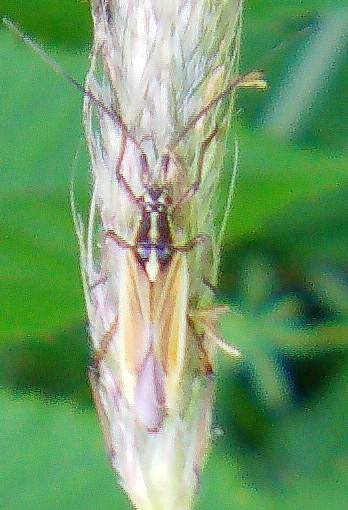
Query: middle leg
[189,245]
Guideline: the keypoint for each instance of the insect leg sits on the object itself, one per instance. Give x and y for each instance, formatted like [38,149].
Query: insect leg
[192,243]
[196,184]
[101,281]
[204,358]
[111,234]
[119,176]
[100,353]
[143,164]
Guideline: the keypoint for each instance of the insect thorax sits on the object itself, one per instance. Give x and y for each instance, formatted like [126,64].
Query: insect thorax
[154,242]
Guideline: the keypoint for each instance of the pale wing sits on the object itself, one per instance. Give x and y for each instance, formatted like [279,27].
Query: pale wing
[169,312]
[141,374]
[134,328]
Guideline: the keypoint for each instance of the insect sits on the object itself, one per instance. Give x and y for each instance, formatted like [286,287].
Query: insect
[152,321]
[153,246]
[152,316]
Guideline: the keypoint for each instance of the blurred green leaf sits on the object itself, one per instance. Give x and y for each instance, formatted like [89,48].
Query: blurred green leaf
[331,288]
[40,282]
[275,178]
[53,458]
[64,23]
[259,10]
[54,366]
[312,448]
[265,326]
[304,461]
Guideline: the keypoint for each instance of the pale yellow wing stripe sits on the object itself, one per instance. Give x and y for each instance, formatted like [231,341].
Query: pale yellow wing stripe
[152,319]
[134,332]
[169,302]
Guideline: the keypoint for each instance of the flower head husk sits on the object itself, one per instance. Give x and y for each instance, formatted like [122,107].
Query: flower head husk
[155,64]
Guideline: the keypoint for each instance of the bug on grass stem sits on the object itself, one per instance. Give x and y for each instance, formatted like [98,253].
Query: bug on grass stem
[153,316]
[144,349]
[151,323]
[153,319]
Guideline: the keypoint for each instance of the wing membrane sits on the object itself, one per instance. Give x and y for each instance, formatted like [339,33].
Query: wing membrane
[151,336]
[134,332]
[169,305]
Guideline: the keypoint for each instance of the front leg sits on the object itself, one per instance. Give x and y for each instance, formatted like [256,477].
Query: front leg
[111,234]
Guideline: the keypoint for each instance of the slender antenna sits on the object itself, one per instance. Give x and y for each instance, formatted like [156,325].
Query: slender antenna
[36,48]
[250,79]
[264,59]
[114,115]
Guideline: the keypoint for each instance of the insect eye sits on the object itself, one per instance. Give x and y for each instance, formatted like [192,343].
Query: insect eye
[163,253]
[143,252]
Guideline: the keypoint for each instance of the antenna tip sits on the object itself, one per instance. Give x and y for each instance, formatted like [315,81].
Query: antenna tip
[254,79]
[9,24]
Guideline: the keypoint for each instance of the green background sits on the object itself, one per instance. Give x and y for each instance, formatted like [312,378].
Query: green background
[281,415]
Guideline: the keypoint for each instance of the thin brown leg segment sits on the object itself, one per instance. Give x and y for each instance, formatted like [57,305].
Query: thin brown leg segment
[111,234]
[196,184]
[192,243]
[203,355]
[99,354]
[119,176]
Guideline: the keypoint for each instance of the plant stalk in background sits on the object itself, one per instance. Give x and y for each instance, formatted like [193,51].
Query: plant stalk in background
[155,127]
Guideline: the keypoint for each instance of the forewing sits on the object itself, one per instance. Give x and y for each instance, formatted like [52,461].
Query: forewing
[140,371]
[169,312]
[151,336]
[134,331]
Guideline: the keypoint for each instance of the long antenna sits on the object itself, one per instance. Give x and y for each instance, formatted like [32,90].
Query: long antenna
[114,115]
[249,79]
